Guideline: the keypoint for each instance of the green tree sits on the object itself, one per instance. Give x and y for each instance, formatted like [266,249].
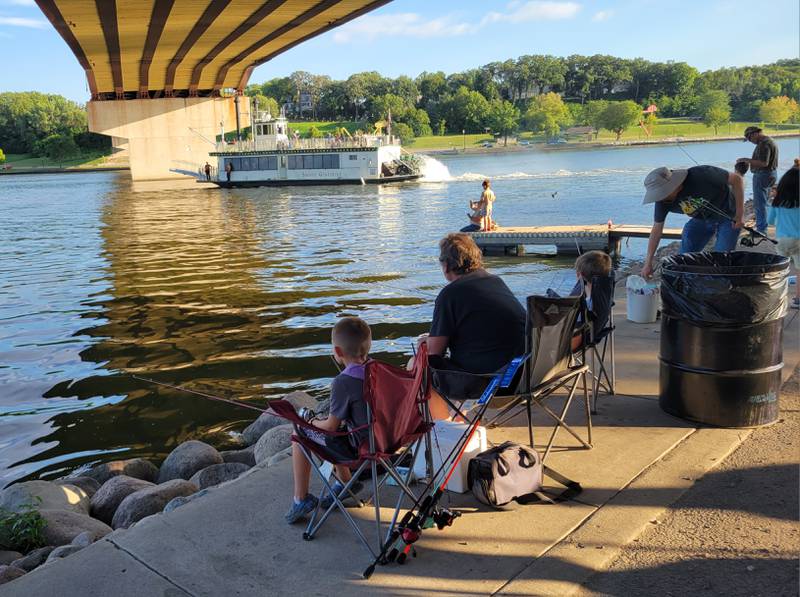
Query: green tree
[382,105]
[714,108]
[547,113]
[314,132]
[591,114]
[778,109]
[503,118]
[618,117]
[419,121]
[265,104]
[404,132]
[57,147]
[28,117]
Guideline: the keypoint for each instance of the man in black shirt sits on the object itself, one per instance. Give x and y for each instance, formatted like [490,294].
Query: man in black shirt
[764,166]
[699,192]
[476,316]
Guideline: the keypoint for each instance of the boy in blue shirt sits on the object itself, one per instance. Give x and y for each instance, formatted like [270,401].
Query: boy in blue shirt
[351,339]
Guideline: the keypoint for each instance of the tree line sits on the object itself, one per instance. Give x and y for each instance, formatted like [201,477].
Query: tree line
[46,125]
[501,96]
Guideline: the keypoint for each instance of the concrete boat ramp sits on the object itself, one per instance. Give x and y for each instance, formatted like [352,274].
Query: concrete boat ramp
[568,240]
[234,541]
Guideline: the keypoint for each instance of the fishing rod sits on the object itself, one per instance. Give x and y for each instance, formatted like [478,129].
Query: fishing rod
[678,143]
[425,512]
[202,394]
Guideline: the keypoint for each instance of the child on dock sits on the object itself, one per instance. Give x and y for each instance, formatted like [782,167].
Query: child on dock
[481,216]
[351,339]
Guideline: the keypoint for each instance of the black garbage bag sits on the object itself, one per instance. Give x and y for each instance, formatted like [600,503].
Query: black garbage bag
[718,289]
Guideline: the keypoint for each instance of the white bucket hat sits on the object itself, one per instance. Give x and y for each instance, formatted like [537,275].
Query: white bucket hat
[661,182]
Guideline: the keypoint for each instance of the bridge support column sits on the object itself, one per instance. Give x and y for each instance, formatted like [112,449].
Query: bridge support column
[165,137]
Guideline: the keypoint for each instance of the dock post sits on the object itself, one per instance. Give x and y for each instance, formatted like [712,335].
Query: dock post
[614,245]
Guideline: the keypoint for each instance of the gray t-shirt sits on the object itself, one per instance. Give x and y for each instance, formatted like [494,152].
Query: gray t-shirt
[766,151]
[347,399]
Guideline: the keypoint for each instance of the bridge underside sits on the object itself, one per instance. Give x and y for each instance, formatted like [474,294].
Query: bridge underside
[174,53]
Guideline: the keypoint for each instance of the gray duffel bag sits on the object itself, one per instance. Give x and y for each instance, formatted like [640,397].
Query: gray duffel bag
[512,472]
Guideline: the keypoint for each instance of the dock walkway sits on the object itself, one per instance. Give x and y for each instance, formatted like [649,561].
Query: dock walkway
[234,540]
[569,240]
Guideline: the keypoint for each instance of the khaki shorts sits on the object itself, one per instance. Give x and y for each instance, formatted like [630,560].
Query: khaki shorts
[790,247]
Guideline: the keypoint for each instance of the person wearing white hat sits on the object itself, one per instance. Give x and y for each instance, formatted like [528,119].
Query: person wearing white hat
[689,192]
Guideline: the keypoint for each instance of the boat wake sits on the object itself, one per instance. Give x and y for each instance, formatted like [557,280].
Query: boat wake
[434,171]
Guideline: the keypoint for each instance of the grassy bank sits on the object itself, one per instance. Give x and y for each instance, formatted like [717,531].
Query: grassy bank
[28,161]
[665,128]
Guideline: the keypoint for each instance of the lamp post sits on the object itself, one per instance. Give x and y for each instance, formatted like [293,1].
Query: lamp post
[464,135]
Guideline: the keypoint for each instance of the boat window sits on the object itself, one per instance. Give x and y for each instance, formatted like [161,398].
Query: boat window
[308,162]
[331,161]
[268,163]
[293,162]
[236,163]
[318,162]
[353,156]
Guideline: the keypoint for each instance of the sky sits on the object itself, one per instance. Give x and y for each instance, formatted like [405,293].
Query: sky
[411,36]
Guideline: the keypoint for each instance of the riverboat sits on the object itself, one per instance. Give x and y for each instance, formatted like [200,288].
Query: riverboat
[273,158]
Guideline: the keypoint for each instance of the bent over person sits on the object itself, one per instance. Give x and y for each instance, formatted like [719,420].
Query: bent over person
[476,317]
[713,199]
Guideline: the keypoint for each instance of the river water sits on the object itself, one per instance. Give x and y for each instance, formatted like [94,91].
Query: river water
[234,291]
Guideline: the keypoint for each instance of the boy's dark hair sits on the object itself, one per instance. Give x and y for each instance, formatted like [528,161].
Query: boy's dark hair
[788,192]
[353,336]
[460,254]
[593,264]
[741,167]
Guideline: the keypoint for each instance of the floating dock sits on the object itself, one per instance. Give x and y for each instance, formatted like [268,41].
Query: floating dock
[568,240]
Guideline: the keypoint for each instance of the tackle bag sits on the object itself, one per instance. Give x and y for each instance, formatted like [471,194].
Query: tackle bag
[512,472]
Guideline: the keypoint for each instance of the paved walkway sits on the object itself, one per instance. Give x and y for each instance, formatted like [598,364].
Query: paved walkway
[234,540]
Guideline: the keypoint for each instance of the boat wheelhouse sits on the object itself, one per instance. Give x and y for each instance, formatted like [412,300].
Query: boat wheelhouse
[273,158]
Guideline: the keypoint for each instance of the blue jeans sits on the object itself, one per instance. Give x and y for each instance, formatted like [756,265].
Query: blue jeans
[762,182]
[697,232]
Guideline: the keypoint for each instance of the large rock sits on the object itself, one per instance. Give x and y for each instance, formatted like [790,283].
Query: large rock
[260,426]
[44,495]
[188,458]
[301,400]
[106,501]
[245,456]
[89,485]
[8,557]
[63,526]
[34,559]
[9,573]
[62,552]
[218,473]
[280,456]
[273,441]
[138,468]
[181,500]
[149,501]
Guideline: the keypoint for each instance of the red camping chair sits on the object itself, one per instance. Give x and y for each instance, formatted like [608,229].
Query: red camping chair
[399,422]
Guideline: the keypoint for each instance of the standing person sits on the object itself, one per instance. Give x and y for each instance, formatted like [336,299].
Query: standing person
[228,170]
[481,216]
[207,170]
[785,215]
[683,191]
[764,165]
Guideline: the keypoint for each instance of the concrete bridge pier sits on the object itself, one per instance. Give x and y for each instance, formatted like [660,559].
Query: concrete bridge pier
[165,137]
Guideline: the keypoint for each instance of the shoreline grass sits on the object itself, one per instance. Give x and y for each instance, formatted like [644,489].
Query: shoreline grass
[28,161]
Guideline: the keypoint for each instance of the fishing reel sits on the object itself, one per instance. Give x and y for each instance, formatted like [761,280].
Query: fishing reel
[755,238]
[443,517]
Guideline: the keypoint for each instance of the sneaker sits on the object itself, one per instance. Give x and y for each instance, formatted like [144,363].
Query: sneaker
[795,304]
[302,509]
[337,487]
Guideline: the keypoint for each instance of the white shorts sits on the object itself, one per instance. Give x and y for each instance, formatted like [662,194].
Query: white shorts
[789,247]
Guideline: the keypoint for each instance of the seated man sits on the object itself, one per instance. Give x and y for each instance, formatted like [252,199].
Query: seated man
[351,339]
[476,317]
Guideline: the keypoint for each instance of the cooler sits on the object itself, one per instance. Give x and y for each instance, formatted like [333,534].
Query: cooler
[444,436]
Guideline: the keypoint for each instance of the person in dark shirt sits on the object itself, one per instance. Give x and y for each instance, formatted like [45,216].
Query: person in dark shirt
[476,317]
[698,192]
[764,166]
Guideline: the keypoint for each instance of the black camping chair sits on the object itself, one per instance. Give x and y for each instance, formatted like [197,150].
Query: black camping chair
[598,337]
[550,326]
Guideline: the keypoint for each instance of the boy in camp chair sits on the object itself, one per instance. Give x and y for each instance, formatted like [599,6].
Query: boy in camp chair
[351,339]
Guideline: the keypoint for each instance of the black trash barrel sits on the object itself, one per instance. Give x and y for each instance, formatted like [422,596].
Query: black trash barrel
[722,337]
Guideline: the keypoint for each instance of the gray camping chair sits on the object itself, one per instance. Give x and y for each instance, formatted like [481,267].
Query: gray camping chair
[598,338]
[550,327]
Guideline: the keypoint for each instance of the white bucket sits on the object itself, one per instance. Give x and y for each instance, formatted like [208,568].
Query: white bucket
[444,436]
[643,300]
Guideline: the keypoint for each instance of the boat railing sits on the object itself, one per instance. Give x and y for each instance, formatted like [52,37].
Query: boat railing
[364,141]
